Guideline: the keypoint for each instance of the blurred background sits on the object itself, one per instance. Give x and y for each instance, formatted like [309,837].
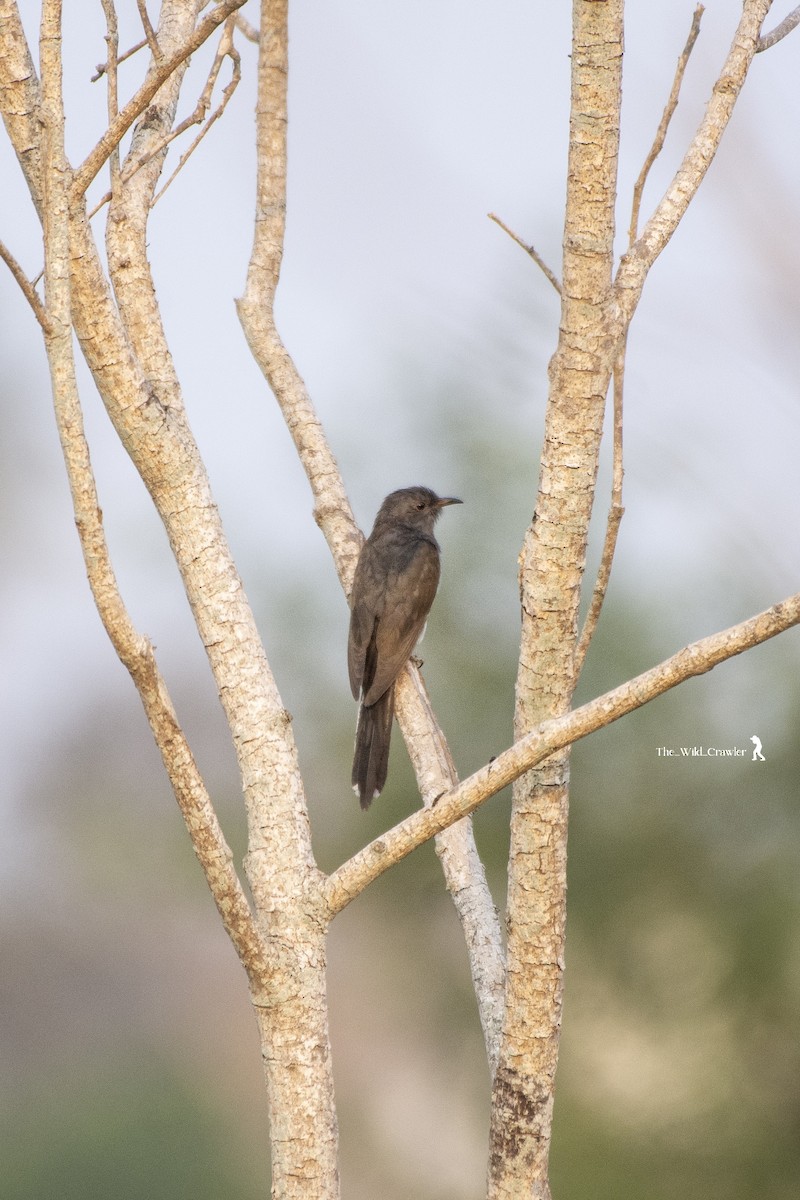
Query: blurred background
[130,1060]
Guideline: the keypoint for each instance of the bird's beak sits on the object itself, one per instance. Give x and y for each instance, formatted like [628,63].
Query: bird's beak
[443,500]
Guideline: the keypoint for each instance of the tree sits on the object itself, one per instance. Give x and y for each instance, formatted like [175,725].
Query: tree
[281,939]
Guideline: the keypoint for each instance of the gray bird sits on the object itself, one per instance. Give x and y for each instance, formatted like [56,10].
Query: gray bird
[393,589]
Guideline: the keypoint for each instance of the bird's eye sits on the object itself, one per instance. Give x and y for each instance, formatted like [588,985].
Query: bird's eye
[420,506]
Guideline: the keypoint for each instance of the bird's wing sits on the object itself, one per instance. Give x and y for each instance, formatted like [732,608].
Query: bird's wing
[395,630]
[366,600]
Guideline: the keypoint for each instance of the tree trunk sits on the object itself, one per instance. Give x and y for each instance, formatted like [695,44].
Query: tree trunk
[551,572]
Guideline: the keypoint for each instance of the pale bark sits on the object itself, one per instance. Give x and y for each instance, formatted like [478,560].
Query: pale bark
[550,736]
[132,368]
[463,870]
[53,177]
[766,41]
[282,943]
[616,509]
[594,320]
[163,70]
[636,263]
[551,569]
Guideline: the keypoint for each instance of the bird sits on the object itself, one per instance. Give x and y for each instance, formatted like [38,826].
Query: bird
[395,581]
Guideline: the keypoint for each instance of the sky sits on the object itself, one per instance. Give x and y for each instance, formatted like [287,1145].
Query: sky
[408,125]
[423,333]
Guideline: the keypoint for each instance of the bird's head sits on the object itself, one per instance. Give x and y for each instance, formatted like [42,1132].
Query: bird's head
[415,506]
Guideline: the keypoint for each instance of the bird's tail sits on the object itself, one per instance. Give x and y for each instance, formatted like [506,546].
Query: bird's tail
[371,757]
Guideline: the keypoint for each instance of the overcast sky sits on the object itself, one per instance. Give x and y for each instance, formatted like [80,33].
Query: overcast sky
[408,124]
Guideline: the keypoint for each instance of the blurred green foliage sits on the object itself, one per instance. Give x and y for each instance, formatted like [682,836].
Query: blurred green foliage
[129,1128]
[680,1068]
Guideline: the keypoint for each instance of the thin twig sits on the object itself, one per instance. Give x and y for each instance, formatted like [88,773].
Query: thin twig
[28,289]
[226,49]
[249,31]
[531,250]
[139,102]
[149,32]
[112,41]
[106,199]
[636,264]
[780,31]
[103,67]
[615,515]
[350,879]
[663,126]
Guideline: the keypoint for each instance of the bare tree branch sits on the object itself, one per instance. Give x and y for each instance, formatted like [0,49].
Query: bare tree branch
[112,41]
[283,876]
[531,250]
[663,126]
[134,650]
[226,49]
[101,68]
[332,511]
[552,567]
[149,32]
[638,260]
[249,31]
[139,102]
[780,31]
[122,342]
[616,509]
[463,870]
[615,514]
[28,290]
[350,879]
[146,410]
[20,97]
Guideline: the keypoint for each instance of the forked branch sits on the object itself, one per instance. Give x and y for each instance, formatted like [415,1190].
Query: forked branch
[139,102]
[226,49]
[462,867]
[615,514]
[780,31]
[344,884]
[616,510]
[133,649]
[101,68]
[664,123]
[149,32]
[636,263]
